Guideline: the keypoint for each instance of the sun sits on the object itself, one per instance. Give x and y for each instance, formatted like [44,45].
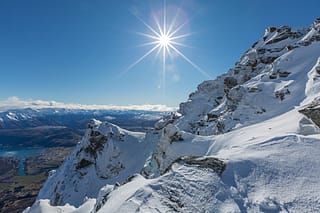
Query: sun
[165,38]
[164,41]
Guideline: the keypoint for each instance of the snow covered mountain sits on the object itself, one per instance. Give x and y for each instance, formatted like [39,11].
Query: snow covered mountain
[47,127]
[248,141]
[33,117]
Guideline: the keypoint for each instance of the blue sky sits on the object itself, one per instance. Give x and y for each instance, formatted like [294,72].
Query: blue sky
[79,51]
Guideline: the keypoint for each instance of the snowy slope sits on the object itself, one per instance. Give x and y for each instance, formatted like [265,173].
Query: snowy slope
[245,142]
[106,154]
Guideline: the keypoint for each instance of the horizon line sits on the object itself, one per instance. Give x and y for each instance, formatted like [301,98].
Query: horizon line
[14,102]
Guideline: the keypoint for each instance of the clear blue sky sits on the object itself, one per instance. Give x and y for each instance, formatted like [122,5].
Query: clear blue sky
[75,51]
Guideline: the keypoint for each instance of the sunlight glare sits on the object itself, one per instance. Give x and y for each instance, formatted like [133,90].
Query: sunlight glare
[165,38]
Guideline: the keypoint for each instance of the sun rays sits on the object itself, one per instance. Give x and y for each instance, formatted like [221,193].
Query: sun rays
[164,39]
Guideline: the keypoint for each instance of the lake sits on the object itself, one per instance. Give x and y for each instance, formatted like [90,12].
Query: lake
[20,154]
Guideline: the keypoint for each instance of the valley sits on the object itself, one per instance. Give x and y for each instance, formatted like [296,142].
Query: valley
[34,142]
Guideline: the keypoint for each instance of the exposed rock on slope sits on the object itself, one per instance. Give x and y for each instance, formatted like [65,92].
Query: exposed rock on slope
[268,68]
[313,112]
[106,154]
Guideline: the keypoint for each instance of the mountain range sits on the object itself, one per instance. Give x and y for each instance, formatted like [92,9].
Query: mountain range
[50,127]
[248,141]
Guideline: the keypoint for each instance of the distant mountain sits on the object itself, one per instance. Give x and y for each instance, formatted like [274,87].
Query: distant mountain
[59,126]
[248,141]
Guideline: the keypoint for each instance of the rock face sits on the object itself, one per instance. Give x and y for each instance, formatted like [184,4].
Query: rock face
[216,106]
[102,157]
[216,165]
[243,127]
[312,111]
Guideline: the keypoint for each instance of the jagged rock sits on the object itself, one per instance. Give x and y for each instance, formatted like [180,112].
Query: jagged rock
[254,89]
[83,163]
[271,29]
[291,47]
[211,116]
[313,112]
[167,119]
[103,196]
[283,74]
[268,60]
[176,137]
[230,82]
[205,162]
[235,95]
[318,69]
[305,43]
[273,76]
[282,93]
[316,22]
[284,32]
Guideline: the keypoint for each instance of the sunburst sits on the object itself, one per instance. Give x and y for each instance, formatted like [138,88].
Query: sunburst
[166,38]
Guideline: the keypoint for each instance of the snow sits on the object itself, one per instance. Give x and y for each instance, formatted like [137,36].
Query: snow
[253,125]
[119,154]
[258,177]
[12,116]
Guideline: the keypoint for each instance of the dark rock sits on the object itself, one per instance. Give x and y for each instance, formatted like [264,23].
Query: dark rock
[261,111]
[94,133]
[278,38]
[176,137]
[313,112]
[316,22]
[254,44]
[230,82]
[284,32]
[268,60]
[273,76]
[291,47]
[218,166]
[96,144]
[254,89]
[305,43]
[271,29]
[201,123]
[284,74]
[282,93]
[261,51]
[220,126]
[83,163]
[211,116]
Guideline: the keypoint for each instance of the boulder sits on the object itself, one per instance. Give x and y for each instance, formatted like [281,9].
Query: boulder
[312,112]
[230,82]
[283,74]
[206,162]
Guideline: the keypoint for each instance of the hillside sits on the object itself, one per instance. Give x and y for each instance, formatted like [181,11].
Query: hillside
[247,141]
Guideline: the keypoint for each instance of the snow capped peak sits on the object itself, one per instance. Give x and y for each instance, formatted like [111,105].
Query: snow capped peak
[104,156]
[316,23]
[259,86]
[247,141]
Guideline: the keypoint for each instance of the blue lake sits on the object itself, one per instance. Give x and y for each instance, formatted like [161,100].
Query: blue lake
[20,154]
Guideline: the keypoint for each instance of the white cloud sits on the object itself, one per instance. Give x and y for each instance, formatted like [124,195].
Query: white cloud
[148,117]
[16,103]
